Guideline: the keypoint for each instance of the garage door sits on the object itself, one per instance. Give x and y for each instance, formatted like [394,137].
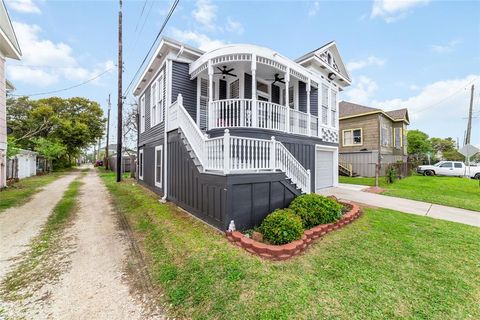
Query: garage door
[324,169]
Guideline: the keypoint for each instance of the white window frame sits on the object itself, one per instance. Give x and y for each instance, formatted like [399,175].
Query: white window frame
[141,164]
[153,103]
[160,97]
[158,184]
[397,133]
[333,108]
[142,113]
[353,144]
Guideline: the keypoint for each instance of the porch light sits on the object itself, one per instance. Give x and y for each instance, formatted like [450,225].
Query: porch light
[332,76]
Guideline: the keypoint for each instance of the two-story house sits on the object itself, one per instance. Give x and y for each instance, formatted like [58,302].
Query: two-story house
[234,133]
[369,136]
[9,48]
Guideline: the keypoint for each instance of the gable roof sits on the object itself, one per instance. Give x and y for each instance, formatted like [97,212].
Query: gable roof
[9,46]
[320,55]
[351,110]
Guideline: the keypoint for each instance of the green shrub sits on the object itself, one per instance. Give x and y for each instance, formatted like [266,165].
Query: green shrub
[391,174]
[315,209]
[281,226]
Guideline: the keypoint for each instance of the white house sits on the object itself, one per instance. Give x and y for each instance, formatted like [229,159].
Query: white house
[9,48]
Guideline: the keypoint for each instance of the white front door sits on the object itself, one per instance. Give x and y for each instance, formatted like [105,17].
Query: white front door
[324,170]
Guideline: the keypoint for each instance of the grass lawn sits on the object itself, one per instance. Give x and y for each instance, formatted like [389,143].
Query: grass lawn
[384,265]
[21,191]
[448,191]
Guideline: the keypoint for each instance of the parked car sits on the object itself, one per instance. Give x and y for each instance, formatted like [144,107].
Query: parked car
[450,168]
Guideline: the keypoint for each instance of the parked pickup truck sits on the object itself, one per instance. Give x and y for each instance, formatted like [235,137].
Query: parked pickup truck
[450,168]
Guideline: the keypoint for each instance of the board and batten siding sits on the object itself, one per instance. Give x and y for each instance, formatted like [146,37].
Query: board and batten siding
[217,199]
[181,84]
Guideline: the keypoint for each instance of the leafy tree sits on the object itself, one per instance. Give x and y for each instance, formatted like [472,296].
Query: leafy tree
[50,149]
[75,123]
[12,148]
[418,144]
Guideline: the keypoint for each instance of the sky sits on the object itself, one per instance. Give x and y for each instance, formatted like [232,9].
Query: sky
[417,54]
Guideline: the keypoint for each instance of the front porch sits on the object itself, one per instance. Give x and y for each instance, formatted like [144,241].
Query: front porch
[263,90]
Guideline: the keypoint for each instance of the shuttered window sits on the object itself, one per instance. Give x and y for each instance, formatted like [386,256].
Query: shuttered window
[333,108]
[324,104]
[235,89]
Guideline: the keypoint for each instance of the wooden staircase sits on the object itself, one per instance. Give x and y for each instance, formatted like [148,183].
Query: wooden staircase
[345,169]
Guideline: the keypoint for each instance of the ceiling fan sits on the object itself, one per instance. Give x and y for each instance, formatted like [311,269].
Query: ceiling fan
[277,79]
[224,72]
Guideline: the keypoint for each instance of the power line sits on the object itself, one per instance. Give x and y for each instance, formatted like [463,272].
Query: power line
[141,14]
[174,5]
[65,89]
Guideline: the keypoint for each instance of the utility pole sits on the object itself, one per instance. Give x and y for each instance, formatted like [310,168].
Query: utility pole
[108,132]
[120,97]
[469,125]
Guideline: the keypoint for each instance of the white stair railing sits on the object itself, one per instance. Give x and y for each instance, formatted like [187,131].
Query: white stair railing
[237,154]
[293,169]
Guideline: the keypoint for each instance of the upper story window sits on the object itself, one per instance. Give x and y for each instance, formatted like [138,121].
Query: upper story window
[398,139]
[385,136]
[291,97]
[352,137]
[262,91]
[333,108]
[142,114]
[157,101]
[324,104]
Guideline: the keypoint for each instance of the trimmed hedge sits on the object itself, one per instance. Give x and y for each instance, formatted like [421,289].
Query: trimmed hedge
[281,226]
[315,209]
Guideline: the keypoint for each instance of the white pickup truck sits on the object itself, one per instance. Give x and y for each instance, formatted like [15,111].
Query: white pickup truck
[450,168]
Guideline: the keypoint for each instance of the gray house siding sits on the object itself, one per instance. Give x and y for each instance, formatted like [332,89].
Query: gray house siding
[149,166]
[181,84]
[217,199]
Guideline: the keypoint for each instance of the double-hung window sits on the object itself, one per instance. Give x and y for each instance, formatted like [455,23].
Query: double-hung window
[333,107]
[142,114]
[160,97]
[156,101]
[324,104]
[352,137]
[158,166]
[398,138]
[385,137]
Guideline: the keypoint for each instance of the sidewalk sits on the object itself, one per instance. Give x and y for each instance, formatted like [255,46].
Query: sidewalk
[354,193]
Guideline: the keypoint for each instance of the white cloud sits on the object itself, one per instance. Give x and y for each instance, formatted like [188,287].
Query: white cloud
[438,108]
[202,41]
[45,62]
[205,13]
[392,10]
[360,64]
[312,11]
[362,90]
[446,48]
[234,26]
[24,6]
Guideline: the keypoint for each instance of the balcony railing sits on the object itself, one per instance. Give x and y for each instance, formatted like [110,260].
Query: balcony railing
[230,113]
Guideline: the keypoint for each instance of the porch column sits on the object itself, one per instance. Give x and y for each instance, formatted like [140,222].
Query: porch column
[287,86]
[210,95]
[309,124]
[254,92]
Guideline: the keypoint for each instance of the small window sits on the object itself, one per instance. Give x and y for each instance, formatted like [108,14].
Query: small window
[446,165]
[385,136]
[140,164]
[352,137]
[159,166]
[458,165]
[398,138]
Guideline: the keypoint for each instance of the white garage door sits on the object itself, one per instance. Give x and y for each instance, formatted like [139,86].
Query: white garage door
[324,169]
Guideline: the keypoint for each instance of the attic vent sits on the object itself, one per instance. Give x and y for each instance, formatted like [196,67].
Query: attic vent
[150,70]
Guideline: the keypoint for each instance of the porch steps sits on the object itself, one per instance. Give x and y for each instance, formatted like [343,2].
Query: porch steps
[190,151]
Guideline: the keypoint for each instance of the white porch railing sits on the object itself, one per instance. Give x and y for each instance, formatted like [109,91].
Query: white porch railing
[233,154]
[230,113]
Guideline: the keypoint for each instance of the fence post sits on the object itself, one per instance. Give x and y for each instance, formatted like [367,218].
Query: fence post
[273,147]
[226,152]
[309,182]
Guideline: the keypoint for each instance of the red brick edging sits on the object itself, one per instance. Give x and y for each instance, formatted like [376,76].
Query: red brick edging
[286,251]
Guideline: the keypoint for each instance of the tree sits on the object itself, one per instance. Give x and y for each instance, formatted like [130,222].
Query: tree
[75,123]
[50,149]
[12,148]
[418,144]
[446,148]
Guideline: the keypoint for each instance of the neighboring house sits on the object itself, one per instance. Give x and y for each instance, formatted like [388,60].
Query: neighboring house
[365,132]
[9,48]
[239,131]
[22,165]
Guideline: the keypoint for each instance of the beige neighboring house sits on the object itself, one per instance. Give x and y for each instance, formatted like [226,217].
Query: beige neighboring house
[366,131]
[9,48]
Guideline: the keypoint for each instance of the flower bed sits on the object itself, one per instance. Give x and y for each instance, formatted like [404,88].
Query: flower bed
[286,251]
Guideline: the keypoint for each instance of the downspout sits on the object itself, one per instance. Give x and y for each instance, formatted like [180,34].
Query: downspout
[165,135]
